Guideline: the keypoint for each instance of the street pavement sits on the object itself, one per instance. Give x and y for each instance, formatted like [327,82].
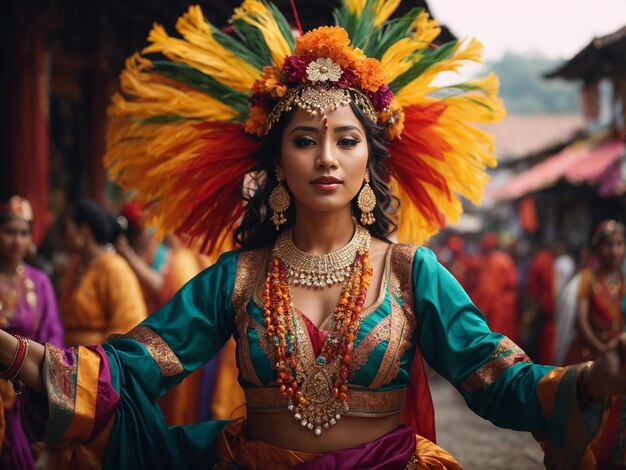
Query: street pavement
[475,442]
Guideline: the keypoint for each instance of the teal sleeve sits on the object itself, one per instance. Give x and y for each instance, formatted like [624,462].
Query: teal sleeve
[495,377]
[158,354]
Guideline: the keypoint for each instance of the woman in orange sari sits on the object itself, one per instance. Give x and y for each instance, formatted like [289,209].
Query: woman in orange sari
[101,294]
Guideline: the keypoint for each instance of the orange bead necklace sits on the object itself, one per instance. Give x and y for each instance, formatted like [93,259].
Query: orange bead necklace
[317,396]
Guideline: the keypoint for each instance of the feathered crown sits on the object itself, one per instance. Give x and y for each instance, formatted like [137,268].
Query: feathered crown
[183,131]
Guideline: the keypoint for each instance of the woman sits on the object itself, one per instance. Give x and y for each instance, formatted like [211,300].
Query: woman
[100,295]
[27,308]
[599,314]
[331,320]
[599,320]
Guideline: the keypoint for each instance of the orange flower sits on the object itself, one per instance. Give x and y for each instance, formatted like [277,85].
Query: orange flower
[393,119]
[348,57]
[257,121]
[270,83]
[370,73]
[320,41]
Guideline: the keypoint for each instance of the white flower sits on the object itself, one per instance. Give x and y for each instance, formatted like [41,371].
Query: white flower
[323,69]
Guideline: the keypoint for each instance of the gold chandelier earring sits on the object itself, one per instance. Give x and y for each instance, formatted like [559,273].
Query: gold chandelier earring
[279,199]
[367,201]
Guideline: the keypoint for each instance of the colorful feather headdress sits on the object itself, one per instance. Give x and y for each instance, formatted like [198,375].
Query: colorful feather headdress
[184,129]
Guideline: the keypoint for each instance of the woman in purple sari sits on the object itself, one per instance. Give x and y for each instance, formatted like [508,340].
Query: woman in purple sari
[27,308]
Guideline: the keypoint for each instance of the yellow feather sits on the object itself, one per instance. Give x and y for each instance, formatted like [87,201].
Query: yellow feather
[256,13]
[416,91]
[401,55]
[355,7]
[426,28]
[200,50]
[383,10]
[394,61]
[153,95]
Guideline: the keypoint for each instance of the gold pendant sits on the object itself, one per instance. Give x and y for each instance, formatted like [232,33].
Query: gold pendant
[317,409]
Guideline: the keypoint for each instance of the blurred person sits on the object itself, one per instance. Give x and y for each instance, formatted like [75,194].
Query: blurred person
[28,308]
[150,259]
[599,321]
[564,267]
[455,263]
[495,293]
[599,311]
[540,291]
[100,294]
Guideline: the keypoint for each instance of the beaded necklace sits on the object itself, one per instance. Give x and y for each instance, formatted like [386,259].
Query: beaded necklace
[12,290]
[317,396]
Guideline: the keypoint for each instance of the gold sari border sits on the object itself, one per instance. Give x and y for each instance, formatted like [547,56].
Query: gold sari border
[361,403]
[506,355]
[159,350]
[60,371]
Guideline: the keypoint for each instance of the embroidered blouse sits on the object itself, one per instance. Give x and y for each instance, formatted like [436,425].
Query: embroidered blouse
[421,310]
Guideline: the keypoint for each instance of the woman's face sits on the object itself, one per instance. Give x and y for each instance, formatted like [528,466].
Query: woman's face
[324,165]
[15,239]
[612,250]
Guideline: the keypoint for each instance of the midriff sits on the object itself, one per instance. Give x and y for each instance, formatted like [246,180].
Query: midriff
[282,430]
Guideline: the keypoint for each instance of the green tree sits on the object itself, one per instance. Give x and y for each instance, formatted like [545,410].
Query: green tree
[524,89]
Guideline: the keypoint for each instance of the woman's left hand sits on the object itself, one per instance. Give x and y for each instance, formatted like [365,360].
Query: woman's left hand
[607,374]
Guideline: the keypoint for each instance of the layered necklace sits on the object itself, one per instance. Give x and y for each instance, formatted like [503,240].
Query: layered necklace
[12,289]
[317,395]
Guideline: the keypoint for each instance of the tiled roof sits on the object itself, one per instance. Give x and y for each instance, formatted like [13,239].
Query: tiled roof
[523,135]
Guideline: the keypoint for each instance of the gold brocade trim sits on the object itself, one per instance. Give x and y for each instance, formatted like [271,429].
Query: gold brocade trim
[159,350]
[250,267]
[381,332]
[361,403]
[413,463]
[263,340]
[403,323]
[506,354]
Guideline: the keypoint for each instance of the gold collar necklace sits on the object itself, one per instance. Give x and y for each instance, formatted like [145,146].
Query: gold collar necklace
[320,270]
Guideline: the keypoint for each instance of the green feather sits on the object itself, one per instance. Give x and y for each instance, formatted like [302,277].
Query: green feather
[430,57]
[390,33]
[203,83]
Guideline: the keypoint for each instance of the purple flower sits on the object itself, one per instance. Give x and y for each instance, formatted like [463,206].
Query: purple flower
[348,79]
[294,67]
[261,100]
[381,98]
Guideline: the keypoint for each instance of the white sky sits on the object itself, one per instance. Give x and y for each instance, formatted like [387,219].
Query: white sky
[555,28]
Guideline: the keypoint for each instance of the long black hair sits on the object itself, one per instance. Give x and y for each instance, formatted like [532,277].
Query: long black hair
[257,229]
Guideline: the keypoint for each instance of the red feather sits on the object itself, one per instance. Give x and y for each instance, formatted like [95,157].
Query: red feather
[409,161]
[216,178]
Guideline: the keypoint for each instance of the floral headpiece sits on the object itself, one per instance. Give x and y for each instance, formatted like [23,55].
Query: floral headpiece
[323,73]
[16,208]
[185,128]
[605,229]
